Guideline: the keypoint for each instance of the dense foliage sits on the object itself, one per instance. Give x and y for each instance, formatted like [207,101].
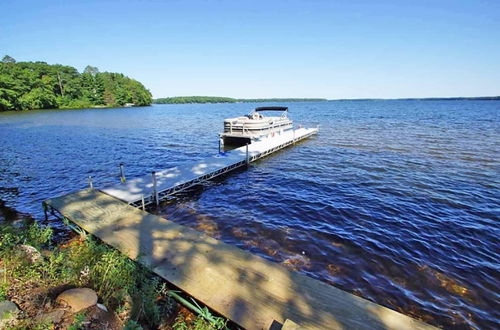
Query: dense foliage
[134,295]
[219,99]
[38,85]
[194,99]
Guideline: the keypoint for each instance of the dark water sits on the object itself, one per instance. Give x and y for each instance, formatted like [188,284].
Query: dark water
[395,201]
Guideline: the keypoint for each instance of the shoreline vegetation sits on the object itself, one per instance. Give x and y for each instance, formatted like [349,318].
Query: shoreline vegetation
[38,85]
[222,99]
[73,281]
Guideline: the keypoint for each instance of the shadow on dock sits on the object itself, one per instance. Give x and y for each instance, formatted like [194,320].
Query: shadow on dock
[249,290]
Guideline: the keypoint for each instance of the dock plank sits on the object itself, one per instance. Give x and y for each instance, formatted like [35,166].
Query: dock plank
[245,288]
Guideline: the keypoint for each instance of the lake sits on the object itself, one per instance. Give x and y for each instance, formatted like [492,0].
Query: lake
[394,201]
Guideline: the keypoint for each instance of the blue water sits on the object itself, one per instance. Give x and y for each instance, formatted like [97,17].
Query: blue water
[395,201]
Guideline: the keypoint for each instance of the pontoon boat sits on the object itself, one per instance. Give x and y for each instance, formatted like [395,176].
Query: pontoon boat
[254,126]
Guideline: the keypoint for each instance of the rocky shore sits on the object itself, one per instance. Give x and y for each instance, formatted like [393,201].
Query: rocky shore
[80,283]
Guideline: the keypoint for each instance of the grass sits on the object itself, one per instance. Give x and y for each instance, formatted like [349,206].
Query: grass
[78,322]
[121,284]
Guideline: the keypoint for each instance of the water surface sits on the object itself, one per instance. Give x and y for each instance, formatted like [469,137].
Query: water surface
[395,201]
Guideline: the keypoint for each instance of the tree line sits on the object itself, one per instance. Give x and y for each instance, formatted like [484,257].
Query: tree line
[219,99]
[194,99]
[38,85]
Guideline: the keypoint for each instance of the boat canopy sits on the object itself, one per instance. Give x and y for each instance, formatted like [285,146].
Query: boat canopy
[271,109]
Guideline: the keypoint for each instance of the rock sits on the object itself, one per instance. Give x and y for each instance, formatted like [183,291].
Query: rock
[8,310]
[101,306]
[29,253]
[78,299]
[51,317]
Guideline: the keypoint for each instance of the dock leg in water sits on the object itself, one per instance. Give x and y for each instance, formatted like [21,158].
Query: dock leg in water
[122,173]
[155,188]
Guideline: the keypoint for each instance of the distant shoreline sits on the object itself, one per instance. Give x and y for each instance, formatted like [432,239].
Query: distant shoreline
[220,99]
[475,98]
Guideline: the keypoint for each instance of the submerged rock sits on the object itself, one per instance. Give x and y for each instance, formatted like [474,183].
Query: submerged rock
[28,252]
[78,299]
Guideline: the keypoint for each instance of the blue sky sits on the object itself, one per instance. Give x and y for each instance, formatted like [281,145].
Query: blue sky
[331,49]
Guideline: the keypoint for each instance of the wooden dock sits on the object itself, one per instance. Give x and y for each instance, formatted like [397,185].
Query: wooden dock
[251,291]
[161,184]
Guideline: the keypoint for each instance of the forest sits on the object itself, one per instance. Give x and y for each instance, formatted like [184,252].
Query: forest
[220,99]
[38,85]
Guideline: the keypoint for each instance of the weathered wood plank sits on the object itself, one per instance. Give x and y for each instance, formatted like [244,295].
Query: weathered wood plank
[243,287]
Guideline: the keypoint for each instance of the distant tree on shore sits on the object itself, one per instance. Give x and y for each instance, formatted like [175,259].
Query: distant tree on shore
[8,59]
[219,99]
[38,85]
[194,99]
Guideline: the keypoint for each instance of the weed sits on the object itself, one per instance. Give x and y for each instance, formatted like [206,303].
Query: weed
[35,235]
[148,293]
[180,323]
[198,324]
[204,313]
[201,324]
[88,263]
[38,236]
[113,271]
[4,288]
[132,325]
[78,322]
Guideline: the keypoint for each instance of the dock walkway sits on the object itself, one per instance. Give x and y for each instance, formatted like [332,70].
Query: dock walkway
[173,180]
[245,288]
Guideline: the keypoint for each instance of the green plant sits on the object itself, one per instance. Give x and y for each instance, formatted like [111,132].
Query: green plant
[77,322]
[202,324]
[37,235]
[8,238]
[214,321]
[180,323]
[113,271]
[132,325]
[4,287]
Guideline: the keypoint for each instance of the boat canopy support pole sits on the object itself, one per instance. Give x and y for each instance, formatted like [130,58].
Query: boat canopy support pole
[247,156]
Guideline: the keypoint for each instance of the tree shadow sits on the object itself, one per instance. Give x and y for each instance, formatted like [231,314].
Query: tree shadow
[251,291]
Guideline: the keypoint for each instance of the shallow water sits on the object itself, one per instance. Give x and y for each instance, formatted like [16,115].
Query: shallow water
[395,201]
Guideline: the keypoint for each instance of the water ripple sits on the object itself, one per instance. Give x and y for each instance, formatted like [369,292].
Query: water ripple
[394,201]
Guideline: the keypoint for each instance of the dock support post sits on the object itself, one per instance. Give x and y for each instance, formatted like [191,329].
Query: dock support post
[155,189]
[122,174]
[220,142]
[91,184]
[45,211]
[247,157]
[143,204]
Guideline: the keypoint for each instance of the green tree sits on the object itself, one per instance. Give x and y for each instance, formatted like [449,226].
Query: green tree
[8,59]
[92,70]
[38,85]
